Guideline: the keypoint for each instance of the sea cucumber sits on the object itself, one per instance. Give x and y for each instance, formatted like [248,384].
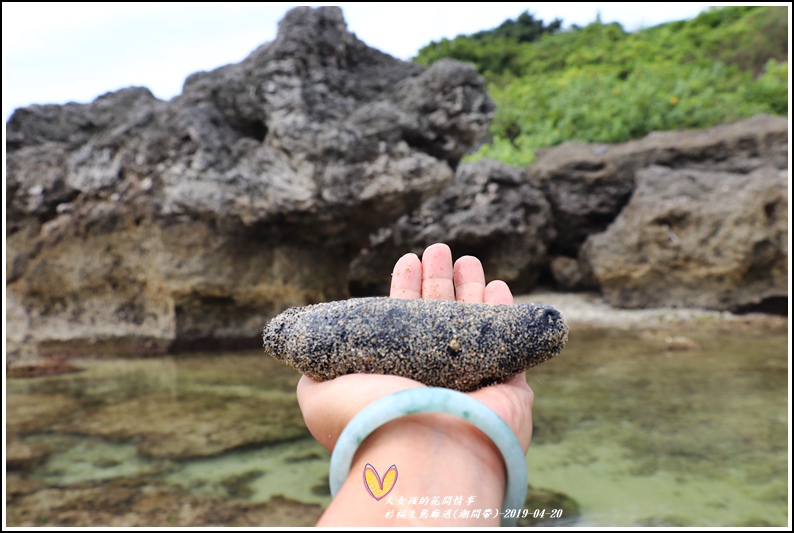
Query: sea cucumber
[461,346]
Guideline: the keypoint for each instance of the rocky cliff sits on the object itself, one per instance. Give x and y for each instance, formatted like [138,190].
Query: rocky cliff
[675,219]
[490,210]
[135,223]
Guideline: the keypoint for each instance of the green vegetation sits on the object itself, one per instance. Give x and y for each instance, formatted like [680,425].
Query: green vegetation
[602,84]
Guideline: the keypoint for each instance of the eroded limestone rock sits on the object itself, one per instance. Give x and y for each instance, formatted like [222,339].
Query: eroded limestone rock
[136,223]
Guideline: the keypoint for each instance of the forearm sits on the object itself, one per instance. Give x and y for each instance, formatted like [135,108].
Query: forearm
[436,456]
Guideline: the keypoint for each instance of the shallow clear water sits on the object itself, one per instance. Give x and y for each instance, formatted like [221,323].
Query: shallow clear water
[638,434]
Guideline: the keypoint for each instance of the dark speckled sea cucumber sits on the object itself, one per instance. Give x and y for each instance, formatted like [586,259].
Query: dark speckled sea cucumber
[461,346]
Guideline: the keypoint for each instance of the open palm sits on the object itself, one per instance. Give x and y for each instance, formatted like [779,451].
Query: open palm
[328,406]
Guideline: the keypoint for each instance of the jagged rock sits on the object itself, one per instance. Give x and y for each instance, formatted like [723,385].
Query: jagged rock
[139,222]
[695,238]
[571,274]
[490,210]
[588,185]
[511,229]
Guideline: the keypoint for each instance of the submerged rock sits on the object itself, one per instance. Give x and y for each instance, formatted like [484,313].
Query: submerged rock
[461,346]
[145,502]
[548,508]
[198,424]
[24,456]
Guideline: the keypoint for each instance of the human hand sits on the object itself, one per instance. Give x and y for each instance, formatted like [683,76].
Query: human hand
[437,454]
[329,406]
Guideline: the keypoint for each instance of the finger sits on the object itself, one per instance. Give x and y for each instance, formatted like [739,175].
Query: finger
[497,292]
[437,273]
[469,280]
[406,279]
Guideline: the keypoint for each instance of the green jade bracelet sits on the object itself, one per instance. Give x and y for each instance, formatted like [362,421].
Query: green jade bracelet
[436,400]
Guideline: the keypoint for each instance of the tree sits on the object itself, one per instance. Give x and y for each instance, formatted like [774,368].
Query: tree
[525,29]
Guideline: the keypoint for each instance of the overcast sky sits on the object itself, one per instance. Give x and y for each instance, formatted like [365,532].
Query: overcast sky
[61,52]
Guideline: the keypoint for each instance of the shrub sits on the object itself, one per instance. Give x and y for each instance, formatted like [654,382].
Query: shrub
[602,84]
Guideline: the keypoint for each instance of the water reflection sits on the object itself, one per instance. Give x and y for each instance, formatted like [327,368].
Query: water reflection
[684,428]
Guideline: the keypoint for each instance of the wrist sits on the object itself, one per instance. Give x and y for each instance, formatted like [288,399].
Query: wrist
[436,456]
[433,440]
